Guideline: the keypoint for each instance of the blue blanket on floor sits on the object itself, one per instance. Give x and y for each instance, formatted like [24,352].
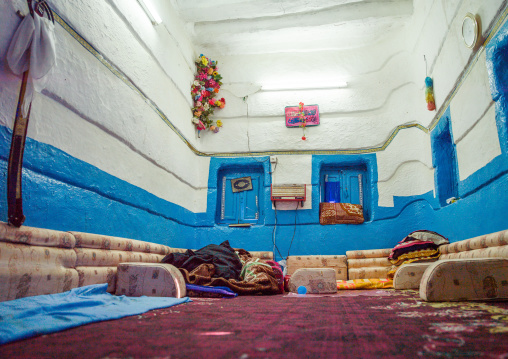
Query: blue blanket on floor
[43,314]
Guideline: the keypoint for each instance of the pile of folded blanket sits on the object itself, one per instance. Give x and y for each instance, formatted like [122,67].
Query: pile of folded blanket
[223,266]
[418,246]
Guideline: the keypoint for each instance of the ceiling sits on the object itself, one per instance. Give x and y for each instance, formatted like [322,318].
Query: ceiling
[227,27]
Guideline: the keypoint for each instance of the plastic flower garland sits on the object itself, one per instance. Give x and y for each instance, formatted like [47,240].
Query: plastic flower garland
[205,87]
[301,116]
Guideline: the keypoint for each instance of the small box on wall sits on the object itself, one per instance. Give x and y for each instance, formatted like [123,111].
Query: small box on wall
[293,115]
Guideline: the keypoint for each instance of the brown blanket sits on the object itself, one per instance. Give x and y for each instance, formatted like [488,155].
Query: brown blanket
[258,277]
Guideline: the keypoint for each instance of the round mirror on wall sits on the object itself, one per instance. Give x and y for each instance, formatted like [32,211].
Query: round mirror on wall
[470,30]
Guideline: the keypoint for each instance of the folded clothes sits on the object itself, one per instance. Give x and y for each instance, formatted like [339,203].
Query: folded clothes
[226,262]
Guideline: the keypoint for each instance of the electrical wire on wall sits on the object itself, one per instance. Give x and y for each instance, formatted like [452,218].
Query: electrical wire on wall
[294,231]
[270,172]
[248,137]
[283,260]
[271,181]
[273,232]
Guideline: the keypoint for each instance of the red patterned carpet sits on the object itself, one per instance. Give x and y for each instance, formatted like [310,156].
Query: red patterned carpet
[354,324]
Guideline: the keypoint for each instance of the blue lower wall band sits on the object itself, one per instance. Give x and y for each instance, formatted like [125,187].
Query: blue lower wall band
[63,193]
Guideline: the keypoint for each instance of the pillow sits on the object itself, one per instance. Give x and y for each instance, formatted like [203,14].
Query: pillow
[424,235]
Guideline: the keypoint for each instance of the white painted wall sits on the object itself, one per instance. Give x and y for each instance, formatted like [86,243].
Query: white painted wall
[293,170]
[472,108]
[405,167]
[436,33]
[91,114]
[474,121]
[479,146]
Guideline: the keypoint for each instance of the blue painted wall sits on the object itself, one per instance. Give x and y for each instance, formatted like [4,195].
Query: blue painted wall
[64,193]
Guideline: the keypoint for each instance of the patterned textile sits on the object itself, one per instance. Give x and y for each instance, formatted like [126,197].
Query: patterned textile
[368,272]
[97,241]
[33,280]
[223,257]
[420,255]
[369,262]
[418,246]
[262,254]
[286,282]
[489,240]
[278,273]
[336,262]
[424,235]
[316,280]
[150,279]
[373,283]
[34,270]
[259,277]
[413,250]
[491,252]
[429,255]
[340,213]
[421,240]
[369,253]
[466,279]
[409,276]
[36,236]
[109,258]
[97,275]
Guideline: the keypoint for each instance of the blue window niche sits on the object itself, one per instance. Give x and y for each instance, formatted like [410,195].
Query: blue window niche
[345,184]
[444,159]
[239,207]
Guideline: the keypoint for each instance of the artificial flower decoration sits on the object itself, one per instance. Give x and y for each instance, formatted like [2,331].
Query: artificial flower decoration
[206,86]
[301,116]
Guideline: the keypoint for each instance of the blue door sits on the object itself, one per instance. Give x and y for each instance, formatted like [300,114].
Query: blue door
[239,207]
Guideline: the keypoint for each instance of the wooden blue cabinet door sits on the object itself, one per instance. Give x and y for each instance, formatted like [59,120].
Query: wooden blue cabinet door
[229,205]
[353,188]
[239,207]
[250,203]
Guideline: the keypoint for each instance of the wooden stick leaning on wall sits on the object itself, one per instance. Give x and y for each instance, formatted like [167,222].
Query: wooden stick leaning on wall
[14,172]
[31,35]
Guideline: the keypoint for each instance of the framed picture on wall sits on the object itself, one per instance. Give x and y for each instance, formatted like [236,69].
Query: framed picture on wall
[311,115]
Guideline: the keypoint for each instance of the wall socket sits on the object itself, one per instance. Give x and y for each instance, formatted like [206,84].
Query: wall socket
[273,159]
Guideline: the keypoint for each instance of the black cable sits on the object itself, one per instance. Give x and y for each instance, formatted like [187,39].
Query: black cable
[296,211]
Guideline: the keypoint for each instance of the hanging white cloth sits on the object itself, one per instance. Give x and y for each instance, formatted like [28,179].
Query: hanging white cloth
[33,49]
